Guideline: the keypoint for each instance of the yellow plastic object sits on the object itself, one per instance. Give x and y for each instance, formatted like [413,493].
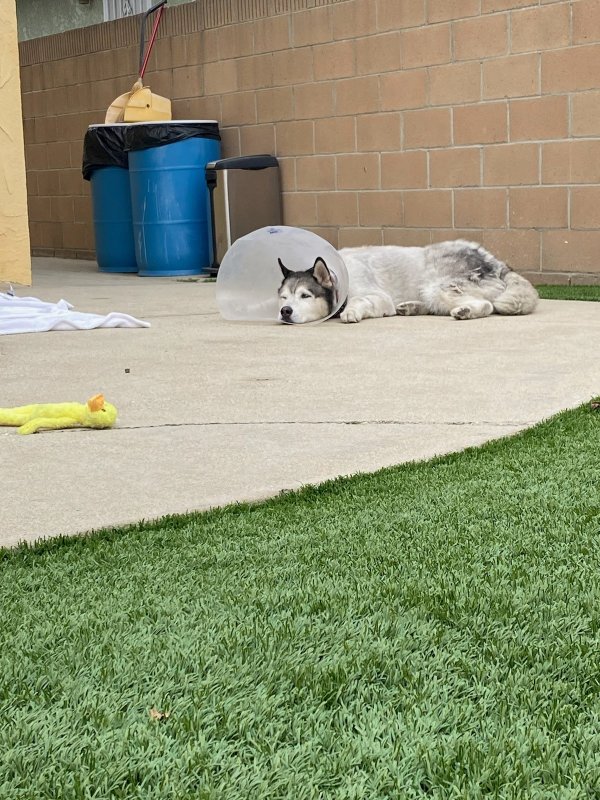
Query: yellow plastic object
[139,105]
[96,413]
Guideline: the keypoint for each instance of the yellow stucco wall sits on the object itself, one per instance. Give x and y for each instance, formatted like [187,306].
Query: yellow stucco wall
[15,261]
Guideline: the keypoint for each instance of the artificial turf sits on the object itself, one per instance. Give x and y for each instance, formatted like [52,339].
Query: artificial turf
[549,292]
[432,630]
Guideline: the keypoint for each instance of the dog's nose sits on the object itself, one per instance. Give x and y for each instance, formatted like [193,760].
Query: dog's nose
[286,312]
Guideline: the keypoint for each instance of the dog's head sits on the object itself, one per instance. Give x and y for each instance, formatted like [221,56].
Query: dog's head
[306,296]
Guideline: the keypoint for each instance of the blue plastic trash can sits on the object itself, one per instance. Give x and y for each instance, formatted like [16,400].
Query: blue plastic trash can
[169,197]
[105,166]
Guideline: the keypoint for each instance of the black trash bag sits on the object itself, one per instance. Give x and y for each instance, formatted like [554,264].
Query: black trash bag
[153,134]
[103,146]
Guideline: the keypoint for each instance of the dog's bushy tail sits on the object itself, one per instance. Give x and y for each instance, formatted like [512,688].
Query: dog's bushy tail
[519,296]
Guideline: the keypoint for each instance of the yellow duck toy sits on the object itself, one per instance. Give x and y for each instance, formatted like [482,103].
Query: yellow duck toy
[96,413]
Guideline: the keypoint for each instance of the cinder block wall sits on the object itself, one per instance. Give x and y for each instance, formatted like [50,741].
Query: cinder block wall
[396,121]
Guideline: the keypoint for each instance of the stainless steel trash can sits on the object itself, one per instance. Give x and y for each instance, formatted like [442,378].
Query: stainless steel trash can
[245,195]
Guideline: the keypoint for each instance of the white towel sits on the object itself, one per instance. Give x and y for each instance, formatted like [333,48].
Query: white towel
[30,315]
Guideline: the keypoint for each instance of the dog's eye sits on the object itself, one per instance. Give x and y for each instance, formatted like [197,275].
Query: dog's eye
[305,296]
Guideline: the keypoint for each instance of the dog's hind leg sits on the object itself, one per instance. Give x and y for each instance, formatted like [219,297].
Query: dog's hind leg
[472,308]
[411,308]
[368,306]
[459,301]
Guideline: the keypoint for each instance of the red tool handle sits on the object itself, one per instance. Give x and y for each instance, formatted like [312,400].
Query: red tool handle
[144,58]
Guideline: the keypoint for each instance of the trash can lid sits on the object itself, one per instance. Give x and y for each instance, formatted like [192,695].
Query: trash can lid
[244,162]
[174,122]
[155,122]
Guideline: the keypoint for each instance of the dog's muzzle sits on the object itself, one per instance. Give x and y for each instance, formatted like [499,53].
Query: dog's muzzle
[286,313]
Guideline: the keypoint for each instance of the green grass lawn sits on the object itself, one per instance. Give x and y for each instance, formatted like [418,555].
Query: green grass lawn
[569,292]
[429,631]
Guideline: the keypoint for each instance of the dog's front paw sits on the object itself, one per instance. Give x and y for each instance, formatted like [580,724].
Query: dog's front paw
[350,315]
[461,312]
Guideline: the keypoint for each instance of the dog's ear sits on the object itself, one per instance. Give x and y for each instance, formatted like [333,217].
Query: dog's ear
[321,273]
[286,272]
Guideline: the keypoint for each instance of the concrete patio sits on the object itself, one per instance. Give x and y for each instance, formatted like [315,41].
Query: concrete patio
[212,412]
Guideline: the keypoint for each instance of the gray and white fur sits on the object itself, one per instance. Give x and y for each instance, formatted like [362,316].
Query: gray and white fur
[456,278]
[307,295]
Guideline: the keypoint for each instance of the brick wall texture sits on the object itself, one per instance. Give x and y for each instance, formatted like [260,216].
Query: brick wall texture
[395,121]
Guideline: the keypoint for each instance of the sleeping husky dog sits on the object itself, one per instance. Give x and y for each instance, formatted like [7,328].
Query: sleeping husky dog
[456,278]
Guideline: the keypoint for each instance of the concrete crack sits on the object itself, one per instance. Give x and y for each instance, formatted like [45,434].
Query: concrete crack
[407,423]
[313,423]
